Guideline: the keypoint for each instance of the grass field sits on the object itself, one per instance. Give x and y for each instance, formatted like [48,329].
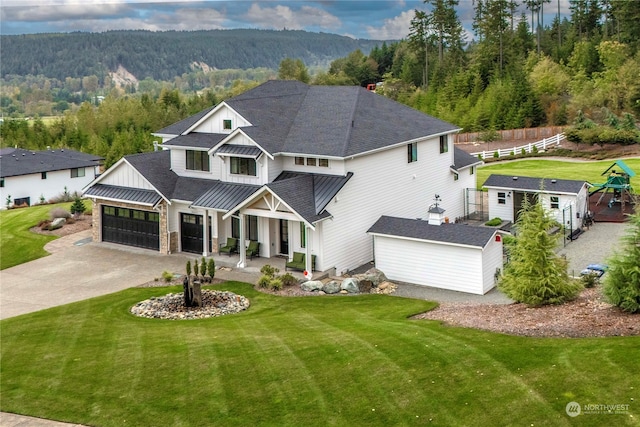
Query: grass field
[559,169]
[17,243]
[314,361]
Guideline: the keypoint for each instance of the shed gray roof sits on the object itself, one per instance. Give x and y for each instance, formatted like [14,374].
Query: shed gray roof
[224,196]
[534,185]
[17,162]
[196,140]
[334,121]
[460,234]
[135,195]
[240,150]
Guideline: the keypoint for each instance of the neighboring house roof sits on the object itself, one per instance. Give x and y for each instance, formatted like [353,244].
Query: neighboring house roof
[113,192]
[462,159]
[334,121]
[534,185]
[224,196]
[457,234]
[196,140]
[17,162]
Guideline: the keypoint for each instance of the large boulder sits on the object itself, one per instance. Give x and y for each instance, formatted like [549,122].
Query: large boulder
[350,285]
[57,223]
[331,287]
[375,276]
[311,285]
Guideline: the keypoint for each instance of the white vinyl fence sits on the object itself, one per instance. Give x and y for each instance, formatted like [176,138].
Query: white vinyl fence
[528,148]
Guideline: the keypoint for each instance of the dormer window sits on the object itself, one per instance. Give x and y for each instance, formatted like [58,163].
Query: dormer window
[197,160]
[243,166]
[226,124]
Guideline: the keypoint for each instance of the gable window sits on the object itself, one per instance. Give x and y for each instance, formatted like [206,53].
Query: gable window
[226,124]
[243,166]
[323,163]
[502,198]
[444,144]
[197,160]
[412,152]
[555,202]
[76,173]
[299,161]
[43,175]
[303,235]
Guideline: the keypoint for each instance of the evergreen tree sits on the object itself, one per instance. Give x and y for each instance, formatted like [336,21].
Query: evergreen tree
[535,275]
[622,281]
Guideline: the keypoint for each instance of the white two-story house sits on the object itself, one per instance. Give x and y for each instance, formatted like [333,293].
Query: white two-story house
[297,168]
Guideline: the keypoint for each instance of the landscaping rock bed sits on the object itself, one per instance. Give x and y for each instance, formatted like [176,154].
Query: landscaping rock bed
[586,316]
[171,306]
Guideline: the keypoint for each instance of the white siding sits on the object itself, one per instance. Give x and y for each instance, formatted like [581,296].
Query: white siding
[223,166]
[34,187]
[504,212]
[385,184]
[123,175]
[437,265]
[492,260]
[179,165]
[214,123]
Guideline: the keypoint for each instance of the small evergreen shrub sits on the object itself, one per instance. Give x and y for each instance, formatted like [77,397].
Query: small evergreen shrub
[188,268]
[589,280]
[534,150]
[203,266]
[167,276]
[496,155]
[269,270]
[493,222]
[196,269]
[211,267]
[622,281]
[275,284]
[288,279]
[77,208]
[264,281]
[523,151]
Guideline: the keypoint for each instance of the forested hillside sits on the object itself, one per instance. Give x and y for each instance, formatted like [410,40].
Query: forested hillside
[165,55]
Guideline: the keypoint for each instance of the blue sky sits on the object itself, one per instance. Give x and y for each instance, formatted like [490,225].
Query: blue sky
[378,19]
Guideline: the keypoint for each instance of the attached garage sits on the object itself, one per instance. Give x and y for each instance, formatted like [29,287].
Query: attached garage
[131,227]
[457,257]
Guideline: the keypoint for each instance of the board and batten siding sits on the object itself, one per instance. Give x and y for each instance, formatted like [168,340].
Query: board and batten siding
[215,122]
[423,263]
[124,175]
[384,183]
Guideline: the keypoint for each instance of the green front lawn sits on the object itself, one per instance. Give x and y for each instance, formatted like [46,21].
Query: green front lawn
[333,360]
[541,168]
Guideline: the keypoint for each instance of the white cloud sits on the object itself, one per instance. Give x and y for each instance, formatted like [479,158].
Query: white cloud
[62,12]
[392,28]
[283,16]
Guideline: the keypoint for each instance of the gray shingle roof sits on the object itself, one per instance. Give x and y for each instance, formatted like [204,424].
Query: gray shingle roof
[460,234]
[179,127]
[526,183]
[462,159]
[135,195]
[224,195]
[156,168]
[197,140]
[333,121]
[16,161]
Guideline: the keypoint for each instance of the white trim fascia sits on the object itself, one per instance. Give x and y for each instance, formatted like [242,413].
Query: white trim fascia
[258,192]
[438,242]
[520,190]
[185,147]
[105,173]
[164,135]
[478,163]
[111,199]
[399,144]
[316,156]
[209,114]
[232,135]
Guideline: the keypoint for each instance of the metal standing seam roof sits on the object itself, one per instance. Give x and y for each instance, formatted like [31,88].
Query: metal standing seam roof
[324,187]
[17,161]
[459,234]
[534,185]
[135,195]
[240,150]
[224,196]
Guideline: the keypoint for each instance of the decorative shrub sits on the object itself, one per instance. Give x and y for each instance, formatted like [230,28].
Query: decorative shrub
[77,208]
[275,283]
[264,281]
[211,267]
[196,269]
[188,268]
[496,155]
[523,151]
[59,213]
[493,222]
[534,150]
[288,279]
[269,270]
[589,280]
[271,280]
[167,276]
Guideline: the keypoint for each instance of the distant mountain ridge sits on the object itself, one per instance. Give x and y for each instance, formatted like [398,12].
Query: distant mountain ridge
[164,55]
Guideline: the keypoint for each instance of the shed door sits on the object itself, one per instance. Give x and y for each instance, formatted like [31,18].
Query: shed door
[131,227]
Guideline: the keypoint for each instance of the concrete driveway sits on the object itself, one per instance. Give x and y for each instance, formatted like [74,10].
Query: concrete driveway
[78,269]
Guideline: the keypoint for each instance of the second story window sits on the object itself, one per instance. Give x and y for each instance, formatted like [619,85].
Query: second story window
[226,124]
[197,160]
[299,161]
[323,163]
[243,166]
[412,152]
[444,144]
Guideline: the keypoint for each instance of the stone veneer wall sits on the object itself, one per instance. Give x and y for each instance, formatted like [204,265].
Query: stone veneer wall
[165,246]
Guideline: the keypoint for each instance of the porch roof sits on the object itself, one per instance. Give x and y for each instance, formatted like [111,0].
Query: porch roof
[135,195]
[224,196]
[239,150]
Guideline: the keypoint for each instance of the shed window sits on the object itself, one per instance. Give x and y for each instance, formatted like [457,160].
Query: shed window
[76,173]
[412,152]
[502,198]
[555,202]
[444,144]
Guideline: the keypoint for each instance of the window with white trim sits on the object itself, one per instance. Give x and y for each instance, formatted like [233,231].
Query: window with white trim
[502,198]
[76,173]
[299,161]
[227,124]
[555,202]
[243,166]
[412,152]
[197,160]
[444,144]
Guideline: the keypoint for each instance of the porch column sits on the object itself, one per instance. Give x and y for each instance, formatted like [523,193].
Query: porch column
[307,248]
[241,248]
[207,235]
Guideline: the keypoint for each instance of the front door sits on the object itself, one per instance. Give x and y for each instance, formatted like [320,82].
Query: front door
[191,233]
[284,236]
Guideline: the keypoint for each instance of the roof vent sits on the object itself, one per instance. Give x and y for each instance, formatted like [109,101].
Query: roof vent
[515,178]
[553,181]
